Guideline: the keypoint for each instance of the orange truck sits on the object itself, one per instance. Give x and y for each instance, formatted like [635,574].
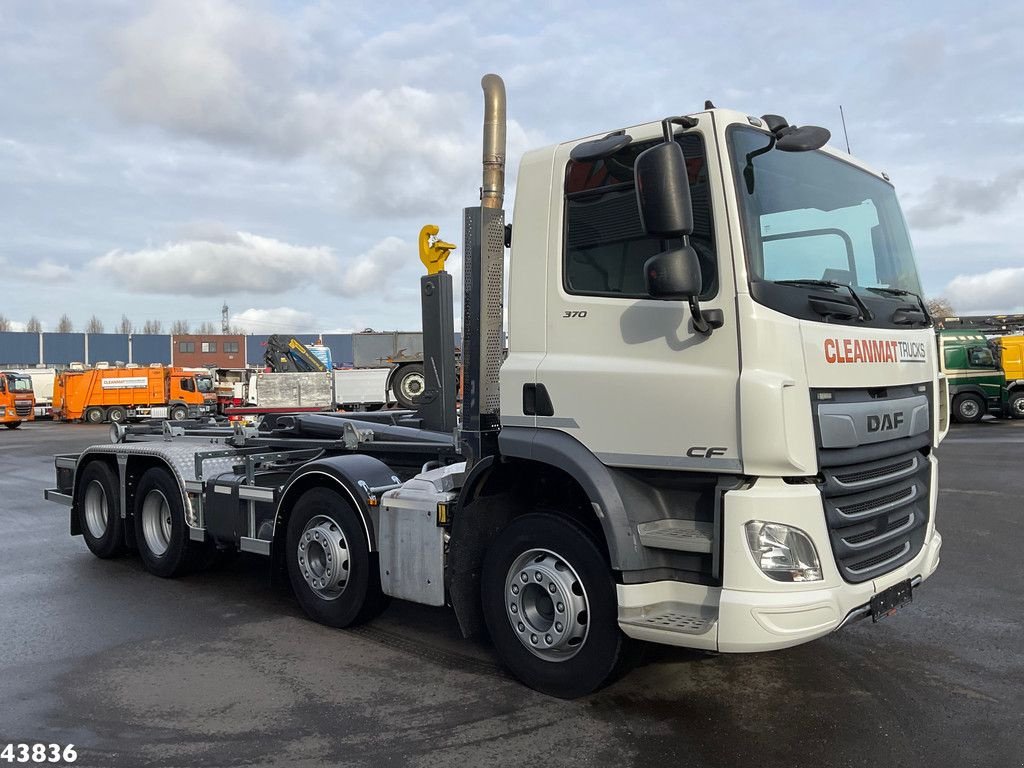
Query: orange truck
[116,395]
[17,402]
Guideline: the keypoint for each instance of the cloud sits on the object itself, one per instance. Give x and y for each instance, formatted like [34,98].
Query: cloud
[996,291]
[284,319]
[45,271]
[369,272]
[950,200]
[228,75]
[223,263]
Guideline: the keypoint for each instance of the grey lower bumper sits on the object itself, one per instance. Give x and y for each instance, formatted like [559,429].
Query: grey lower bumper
[53,494]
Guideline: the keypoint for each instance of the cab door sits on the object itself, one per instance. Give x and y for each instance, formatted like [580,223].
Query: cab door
[627,375]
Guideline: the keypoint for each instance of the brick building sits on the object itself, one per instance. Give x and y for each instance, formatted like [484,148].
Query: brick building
[208,350]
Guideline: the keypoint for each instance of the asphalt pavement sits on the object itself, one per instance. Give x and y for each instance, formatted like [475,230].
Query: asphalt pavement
[222,669]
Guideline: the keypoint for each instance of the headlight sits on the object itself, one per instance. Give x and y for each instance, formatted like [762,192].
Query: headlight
[783,553]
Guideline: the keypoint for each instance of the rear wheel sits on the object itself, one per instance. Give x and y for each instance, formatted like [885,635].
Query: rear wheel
[1017,405]
[161,533]
[117,415]
[94,415]
[968,408]
[409,385]
[550,607]
[335,579]
[99,511]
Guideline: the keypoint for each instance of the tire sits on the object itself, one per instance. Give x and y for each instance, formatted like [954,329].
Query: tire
[566,572]
[1016,405]
[117,415]
[161,534]
[968,408]
[12,424]
[333,575]
[94,415]
[179,413]
[99,511]
[409,385]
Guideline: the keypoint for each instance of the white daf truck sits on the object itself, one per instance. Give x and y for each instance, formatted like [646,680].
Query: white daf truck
[714,428]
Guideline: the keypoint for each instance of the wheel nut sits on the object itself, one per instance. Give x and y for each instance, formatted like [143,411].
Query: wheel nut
[533,639]
[552,588]
[514,608]
[521,626]
[547,639]
[523,578]
[538,577]
[558,626]
[560,607]
[515,589]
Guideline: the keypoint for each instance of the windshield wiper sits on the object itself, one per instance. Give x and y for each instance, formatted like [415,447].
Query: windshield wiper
[865,313]
[900,292]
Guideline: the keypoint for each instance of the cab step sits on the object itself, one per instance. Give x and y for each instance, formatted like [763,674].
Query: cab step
[679,535]
[670,616]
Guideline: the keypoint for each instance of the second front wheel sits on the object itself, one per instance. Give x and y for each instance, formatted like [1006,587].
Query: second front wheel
[409,385]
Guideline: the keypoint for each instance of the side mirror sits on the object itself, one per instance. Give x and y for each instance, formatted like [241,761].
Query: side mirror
[663,191]
[673,274]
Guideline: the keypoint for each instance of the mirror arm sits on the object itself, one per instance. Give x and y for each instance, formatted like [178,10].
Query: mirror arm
[683,122]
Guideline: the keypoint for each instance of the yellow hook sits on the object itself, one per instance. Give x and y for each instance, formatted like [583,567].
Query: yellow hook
[433,250]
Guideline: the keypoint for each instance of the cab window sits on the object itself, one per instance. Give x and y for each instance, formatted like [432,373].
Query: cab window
[981,357]
[605,242]
[189,385]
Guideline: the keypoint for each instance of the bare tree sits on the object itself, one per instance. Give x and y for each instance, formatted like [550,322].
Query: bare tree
[206,327]
[125,326]
[5,324]
[180,328]
[64,325]
[33,325]
[95,325]
[939,307]
[153,327]
[238,330]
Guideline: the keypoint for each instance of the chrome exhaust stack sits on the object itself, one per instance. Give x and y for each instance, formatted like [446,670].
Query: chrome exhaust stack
[492,193]
[483,333]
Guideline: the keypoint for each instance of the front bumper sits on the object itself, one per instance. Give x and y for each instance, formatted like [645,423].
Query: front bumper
[750,612]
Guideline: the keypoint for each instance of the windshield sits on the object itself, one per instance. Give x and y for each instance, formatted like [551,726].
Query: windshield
[19,383]
[810,216]
[205,383]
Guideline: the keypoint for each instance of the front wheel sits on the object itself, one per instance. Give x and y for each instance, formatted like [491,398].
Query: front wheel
[332,573]
[1017,405]
[968,408]
[550,607]
[12,424]
[179,413]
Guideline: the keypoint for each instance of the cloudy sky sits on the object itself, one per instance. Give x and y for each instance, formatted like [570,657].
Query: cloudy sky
[159,158]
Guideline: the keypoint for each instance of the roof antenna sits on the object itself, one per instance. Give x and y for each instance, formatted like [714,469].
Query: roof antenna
[845,135]
[708,104]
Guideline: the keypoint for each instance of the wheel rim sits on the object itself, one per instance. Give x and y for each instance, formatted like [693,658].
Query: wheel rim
[413,385]
[156,522]
[547,605]
[179,414]
[969,409]
[1018,406]
[96,509]
[323,557]
[116,416]
[95,416]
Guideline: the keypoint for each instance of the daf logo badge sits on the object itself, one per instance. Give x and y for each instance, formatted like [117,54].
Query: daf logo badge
[885,422]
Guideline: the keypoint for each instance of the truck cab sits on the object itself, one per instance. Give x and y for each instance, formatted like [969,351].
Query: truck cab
[1011,358]
[977,384]
[17,402]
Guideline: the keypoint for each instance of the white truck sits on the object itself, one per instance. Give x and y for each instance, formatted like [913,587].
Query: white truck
[254,391]
[715,426]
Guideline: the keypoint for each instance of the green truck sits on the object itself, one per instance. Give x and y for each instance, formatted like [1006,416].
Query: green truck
[977,382]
